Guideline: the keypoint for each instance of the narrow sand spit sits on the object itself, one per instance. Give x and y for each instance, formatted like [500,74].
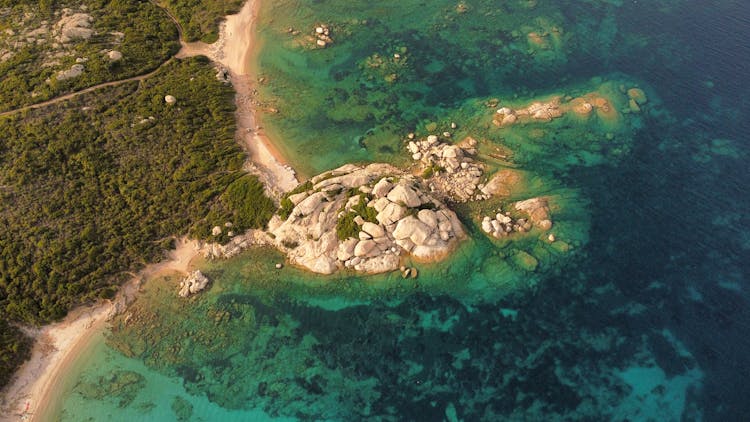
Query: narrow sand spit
[234,51]
[57,345]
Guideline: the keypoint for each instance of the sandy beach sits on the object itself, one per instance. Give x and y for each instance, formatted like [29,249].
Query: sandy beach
[235,50]
[57,345]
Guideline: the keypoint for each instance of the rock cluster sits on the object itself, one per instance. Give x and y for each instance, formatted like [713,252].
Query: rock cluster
[382,213]
[193,283]
[322,36]
[454,175]
[537,210]
[236,245]
[75,71]
[503,225]
[537,110]
[73,26]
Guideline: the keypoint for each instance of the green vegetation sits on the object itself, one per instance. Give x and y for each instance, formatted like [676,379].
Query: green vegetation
[199,18]
[98,186]
[244,204]
[368,213]
[14,347]
[30,75]
[286,204]
[346,227]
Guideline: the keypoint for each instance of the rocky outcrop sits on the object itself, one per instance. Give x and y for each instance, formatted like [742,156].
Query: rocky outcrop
[74,26]
[537,210]
[538,110]
[365,219]
[75,71]
[536,214]
[453,173]
[503,183]
[236,245]
[193,283]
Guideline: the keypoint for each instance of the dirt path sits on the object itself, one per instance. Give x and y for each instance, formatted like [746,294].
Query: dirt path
[84,91]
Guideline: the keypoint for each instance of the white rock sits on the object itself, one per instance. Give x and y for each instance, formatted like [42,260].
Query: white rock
[193,283]
[216,231]
[432,139]
[373,229]
[114,55]
[364,247]
[311,203]
[420,234]
[405,227]
[169,99]
[404,194]
[416,156]
[391,214]
[346,249]
[412,147]
[322,265]
[364,236]
[428,217]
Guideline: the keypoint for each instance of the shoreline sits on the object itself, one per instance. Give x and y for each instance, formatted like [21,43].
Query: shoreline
[58,345]
[236,50]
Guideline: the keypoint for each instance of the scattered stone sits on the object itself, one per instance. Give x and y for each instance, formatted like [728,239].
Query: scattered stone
[169,99]
[74,26]
[279,265]
[75,71]
[114,55]
[216,230]
[193,283]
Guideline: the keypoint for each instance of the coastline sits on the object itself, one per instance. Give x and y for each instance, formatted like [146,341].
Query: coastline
[236,50]
[58,345]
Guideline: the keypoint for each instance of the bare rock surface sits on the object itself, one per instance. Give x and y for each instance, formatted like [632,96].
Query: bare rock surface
[193,283]
[365,219]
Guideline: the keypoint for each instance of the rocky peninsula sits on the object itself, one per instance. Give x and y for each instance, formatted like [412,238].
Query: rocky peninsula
[365,218]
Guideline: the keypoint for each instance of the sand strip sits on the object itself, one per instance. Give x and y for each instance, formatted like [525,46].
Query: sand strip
[234,50]
[57,345]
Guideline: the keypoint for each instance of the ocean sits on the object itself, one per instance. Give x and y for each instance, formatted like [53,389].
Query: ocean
[642,314]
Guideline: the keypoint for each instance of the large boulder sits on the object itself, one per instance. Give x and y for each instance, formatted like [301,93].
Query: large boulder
[405,195]
[193,283]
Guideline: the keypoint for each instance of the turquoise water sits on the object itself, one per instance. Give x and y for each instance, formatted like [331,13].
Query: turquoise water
[643,317]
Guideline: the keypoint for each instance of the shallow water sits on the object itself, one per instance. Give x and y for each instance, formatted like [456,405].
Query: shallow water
[645,317]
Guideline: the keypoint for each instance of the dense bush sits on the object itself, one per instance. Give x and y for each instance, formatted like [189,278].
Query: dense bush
[199,18]
[98,186]
[30,75]
[14,347]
